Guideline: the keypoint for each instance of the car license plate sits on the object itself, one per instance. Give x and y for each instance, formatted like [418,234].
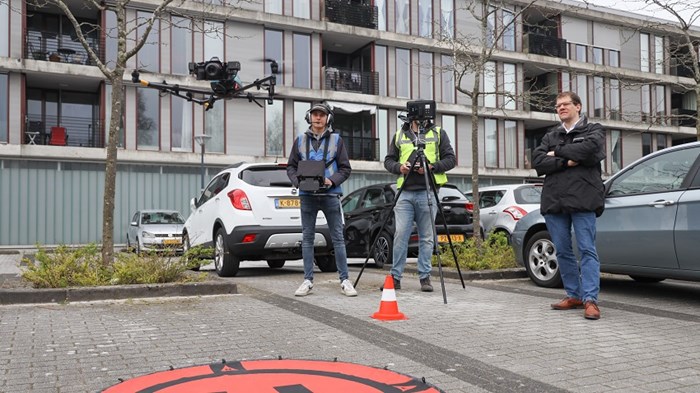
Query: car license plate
[287,203]
[171,241]
[455,238]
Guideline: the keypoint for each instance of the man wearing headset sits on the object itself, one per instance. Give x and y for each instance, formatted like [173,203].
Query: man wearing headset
[320,143]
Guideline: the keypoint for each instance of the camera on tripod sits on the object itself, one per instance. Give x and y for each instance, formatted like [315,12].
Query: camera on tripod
[214,70]
[420,110]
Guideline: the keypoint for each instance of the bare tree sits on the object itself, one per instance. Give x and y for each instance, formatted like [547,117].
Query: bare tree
[473,54]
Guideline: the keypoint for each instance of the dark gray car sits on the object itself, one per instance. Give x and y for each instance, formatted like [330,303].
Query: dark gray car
[650,228]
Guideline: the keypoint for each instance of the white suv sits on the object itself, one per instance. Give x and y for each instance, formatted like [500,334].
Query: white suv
[251,212]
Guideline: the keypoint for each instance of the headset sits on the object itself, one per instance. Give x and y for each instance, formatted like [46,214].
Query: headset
[329,120]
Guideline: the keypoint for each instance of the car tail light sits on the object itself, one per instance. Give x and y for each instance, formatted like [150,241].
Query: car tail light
[413,238]
[239,200]
[515,212]
[470,207]
[249,238]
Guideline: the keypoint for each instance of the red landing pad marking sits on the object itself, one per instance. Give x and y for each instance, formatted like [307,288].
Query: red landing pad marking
[275,376]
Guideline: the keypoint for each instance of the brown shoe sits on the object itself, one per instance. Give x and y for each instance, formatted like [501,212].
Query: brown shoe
[567,303]
[591,311]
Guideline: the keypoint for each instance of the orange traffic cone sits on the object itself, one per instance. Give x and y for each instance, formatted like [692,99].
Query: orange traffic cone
[388,308]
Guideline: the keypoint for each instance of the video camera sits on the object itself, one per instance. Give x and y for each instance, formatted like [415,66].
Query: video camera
[214,70]
[420,110]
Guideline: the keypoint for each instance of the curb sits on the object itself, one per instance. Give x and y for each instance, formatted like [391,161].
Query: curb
[472,275]
[63,295]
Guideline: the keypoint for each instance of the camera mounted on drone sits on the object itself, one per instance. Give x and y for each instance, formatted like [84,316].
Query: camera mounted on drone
[225,83]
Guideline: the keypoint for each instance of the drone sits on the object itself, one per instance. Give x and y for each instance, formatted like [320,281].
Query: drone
[223,80]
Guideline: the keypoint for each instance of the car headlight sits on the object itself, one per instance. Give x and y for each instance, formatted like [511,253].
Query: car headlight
[147,235]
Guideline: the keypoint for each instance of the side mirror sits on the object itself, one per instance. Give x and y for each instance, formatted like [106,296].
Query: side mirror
[134,223]
[193,204]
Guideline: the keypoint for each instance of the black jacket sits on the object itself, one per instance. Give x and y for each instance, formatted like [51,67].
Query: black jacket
[572,189]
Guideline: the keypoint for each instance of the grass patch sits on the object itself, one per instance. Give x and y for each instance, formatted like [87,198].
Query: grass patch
[495,253]
[83,267]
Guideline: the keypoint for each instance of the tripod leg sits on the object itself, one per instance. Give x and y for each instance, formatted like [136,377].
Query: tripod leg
[447,231]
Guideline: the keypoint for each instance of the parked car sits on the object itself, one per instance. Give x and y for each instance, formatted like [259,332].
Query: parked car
[501,207]
[155,230]
[367,208]
[649,229]
[251,212]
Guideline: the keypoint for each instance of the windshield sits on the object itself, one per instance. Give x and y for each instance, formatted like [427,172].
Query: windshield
[267,176]
[154,218]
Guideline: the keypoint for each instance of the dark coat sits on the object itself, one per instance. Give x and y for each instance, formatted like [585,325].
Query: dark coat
[578,188]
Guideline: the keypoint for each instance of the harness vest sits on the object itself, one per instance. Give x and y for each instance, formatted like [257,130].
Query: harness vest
[327,152]
[432,151]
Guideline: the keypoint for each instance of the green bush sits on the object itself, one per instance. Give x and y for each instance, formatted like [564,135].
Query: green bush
[82,267]
[495,253]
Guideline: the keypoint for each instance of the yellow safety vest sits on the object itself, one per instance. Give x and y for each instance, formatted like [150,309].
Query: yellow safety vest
[431,151]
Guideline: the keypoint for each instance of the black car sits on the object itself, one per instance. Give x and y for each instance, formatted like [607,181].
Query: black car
[366,209]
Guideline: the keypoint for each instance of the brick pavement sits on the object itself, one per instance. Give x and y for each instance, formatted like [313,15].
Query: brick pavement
[493,336]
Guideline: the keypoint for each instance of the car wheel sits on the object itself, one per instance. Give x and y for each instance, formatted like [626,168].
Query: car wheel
[541,261]
[383,250]
[326,264]
[276,263]
[189,259]
[649,280]
[225,262]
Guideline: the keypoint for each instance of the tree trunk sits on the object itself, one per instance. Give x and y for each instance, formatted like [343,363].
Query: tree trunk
[476,224]
[111,168]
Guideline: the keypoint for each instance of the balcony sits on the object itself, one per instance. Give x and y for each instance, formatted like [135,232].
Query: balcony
[684,117]
[540,44]
[342,79]
[362,148]
[80,131]
[52,46]
[351,13]
[540,102]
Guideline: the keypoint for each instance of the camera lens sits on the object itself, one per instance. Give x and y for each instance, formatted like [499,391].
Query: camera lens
[213,70]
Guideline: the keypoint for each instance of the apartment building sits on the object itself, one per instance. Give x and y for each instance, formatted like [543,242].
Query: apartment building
[367,58]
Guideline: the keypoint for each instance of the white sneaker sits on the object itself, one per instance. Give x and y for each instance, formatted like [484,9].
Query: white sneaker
[304,288]
[347,288]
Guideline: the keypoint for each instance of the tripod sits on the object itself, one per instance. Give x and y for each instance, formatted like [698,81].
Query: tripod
[420,161]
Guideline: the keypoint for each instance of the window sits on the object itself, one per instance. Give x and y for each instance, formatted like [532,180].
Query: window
[301,9]
[381,14]
[661,173]
[659,55]
[381,68]
[660,104]
[108,117]
[646,143]
[646,103]
[614,58]
[491,26]
[425,18]
[403,16]
[449,125]
[447,24]
[508,30]
[597,55]
[644,51]
[511,144]
[509,86]
[148,58]
[214,123]
[273,50]
[615,100]
[660,141]
[4,101]
[491,146]
[403,73]
[581,53]
[302,61]
[383,131]
[489,90]
[448,84]
[147,118]
[274,126]
[582,91]
[110,38]
[181,124]
[300,124]
[180,45]
[598,104]
[616,155]
[565,81]
[425,73]
[273,6]
[5,28]
[214,40]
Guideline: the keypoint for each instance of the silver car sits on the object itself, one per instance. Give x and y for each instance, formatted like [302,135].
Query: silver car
[155,230]
[650,228]
[502,206]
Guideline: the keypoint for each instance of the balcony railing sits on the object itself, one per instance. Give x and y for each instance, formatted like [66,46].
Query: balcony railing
[80,131]
[544,45]
[52,46]
[351,13]
[341,79]
[362,148]
[684,117]
[540,102]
